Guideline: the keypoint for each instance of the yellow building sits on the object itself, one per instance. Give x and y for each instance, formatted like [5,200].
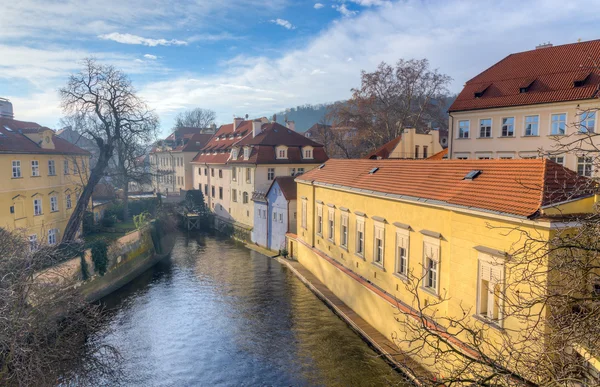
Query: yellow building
[44,175]
[372,229]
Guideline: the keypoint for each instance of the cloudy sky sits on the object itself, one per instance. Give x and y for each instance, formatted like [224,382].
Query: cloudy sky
[257,57]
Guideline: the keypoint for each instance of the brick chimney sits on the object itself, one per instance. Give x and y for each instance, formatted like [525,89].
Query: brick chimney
[256,127]
[291,125]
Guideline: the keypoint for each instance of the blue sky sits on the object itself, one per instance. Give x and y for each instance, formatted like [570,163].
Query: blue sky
[257,57]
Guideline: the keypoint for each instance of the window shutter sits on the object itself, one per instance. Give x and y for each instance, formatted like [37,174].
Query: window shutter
[485,271]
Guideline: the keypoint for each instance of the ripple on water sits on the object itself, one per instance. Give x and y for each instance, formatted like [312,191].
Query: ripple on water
[217,314]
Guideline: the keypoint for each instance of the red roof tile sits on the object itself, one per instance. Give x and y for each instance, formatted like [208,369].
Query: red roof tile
[512,187]
[196,142]
[13,139]
[441,155]
[222,141]
[548,74]
[384,151]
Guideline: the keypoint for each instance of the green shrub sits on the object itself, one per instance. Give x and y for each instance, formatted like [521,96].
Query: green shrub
[100,256]
[141,220]
[108,220]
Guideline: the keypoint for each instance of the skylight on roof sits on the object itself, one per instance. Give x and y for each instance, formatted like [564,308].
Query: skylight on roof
[472,174]
[321,166]
[7,128]
[372,171]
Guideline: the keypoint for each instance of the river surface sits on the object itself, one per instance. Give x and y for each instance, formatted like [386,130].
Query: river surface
[218,314]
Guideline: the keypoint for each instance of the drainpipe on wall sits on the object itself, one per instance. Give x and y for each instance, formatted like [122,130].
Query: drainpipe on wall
[450,136]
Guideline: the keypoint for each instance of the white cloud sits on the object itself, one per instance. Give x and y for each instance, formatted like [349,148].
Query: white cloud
[318,6]
[150,57]
[341,8]
[371,3]
[212,37]
[284,23]
[134,39]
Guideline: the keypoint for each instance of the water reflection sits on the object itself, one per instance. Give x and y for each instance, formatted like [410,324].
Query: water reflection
[219,314]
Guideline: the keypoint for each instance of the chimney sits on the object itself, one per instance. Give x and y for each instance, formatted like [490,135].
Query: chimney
[291,125]
[236,122]
[6,108]
[543,45]
[256,127]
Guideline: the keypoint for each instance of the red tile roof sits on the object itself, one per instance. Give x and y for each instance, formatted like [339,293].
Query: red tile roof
[548,74]
[13,139]
[512,187]
[287,185]
[184,132]
[196,142]
[441,155]
[222,141]
[384,151]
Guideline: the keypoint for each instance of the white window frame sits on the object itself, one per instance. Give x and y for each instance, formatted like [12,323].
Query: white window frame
[53,203]
[234,174]
[51,168]
[344,230]
[431,254]
[16,169]
[507,125]
[270,174]
[558,159]
[360,236]
[537,123]
[246,153]
[35,168]
[304,213]
[491,269]
[585,162]
[559,122]
[319,220]
[461,134]
[584,119]
[331,224]
[33,242]
[489,127]
[52,236]
[37,207]
[378,250]
[402,244]
[281,152]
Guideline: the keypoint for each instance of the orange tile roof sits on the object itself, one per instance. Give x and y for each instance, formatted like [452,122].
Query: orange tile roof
[548,74]
[511,187]
[221,142]
[385,150]
[441,155]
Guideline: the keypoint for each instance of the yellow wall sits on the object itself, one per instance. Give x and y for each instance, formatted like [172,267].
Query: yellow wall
[20,193]
[462,236]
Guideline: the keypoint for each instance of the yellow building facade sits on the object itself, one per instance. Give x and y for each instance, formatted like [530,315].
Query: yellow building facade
[43,176]
[391,238]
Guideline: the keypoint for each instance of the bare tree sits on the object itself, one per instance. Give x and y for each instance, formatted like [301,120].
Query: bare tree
[195,118]
[393,98]
[47,329]
[103,102]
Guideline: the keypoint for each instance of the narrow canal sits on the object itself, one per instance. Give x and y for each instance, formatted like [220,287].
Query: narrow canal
[218,314]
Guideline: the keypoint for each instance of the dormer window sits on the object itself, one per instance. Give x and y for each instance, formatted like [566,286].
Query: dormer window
[307,152]
[525,85]
[481,90]
[246,153]
[234,153]
[281,152]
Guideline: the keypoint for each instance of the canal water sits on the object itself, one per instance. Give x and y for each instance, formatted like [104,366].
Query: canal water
[218,314]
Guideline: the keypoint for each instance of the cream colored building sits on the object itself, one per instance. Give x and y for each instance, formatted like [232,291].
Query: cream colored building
[243,158]
[409,145]
[170,161]
[518,110]
[43,176]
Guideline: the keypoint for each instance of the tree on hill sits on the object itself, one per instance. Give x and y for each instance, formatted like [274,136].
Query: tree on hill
[392,98]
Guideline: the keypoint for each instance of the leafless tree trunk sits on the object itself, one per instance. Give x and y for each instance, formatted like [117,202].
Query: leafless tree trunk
[103,102]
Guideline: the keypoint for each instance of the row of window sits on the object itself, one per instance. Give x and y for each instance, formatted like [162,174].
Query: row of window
[17,209]
[35,168]
[270,172]
[169,161]
[234,193]
[425,152]
[52,239]
[490,271]
[558,126]
[170,179]
[585,165]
